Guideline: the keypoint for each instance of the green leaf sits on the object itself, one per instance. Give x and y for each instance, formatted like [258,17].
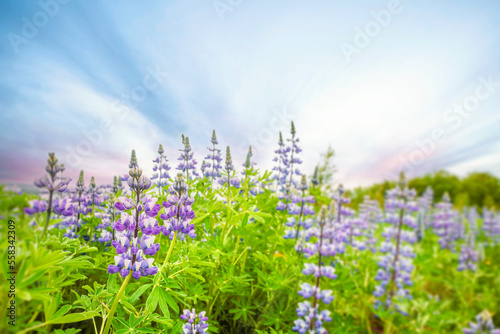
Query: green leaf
[62,311]
[112,286]
[152,301]
[74,317]
[135,296]
[163,303]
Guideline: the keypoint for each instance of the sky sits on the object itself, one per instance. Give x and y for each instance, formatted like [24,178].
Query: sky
[390,85]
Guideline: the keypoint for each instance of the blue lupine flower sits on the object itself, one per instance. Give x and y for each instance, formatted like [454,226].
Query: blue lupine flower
[483,325]
[187,162]
[395,263]
[131,247]
[294,159]
[311,319]
[444,223]
[281,170]
[161,167]
[179,213]
[491,225]
[196,323]
[299,206]
[36,206]
[212,169]
[229,168]
[468,255]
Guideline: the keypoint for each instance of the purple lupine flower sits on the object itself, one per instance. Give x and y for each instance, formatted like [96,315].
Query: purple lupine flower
[299,206]
[51,183]
[395,265]
[64,206]
[294,160]
[161,169]
[342,224]
[370,214]
[425,206]
[212,169]
[311,319]
[281,170]
[178,212]
[132,246]
[196,323]
[483,325]
[187,162]
[444,223]
[491,225]
[468,255]
[472,217]
[229,179]
[36,206]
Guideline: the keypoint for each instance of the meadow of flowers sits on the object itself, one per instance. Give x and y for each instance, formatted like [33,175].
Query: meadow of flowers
[222,246]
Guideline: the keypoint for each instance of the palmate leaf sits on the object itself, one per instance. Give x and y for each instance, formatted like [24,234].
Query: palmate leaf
[153,299]
[73,317]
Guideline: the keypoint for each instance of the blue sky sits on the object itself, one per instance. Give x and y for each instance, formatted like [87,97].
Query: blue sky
[389,84]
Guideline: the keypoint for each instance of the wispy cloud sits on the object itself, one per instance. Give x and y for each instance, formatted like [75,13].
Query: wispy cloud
[235,75]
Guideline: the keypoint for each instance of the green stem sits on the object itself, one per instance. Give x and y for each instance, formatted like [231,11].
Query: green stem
[111,315]
[49,211]
[170,249]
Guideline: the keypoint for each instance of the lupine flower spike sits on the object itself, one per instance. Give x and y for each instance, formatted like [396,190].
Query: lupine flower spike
[281,170]
[395,265]
[187,162]
[299,207]
[212,169]
[294,160]
[196,323]
[161,169]
[444,223]
[49,183]
[311,319]
[179,213]
[483,325]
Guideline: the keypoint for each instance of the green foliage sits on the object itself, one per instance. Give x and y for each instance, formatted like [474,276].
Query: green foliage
[240,271]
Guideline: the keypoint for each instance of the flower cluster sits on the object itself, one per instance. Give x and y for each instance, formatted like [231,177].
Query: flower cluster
[178,215]
[491,225]
[132,246]
[363,226]
[187,162]
[395,265]
[229,168]
[444,223]
[483,324]
[161,167]
[294,160]
[468,255]
[311,318]
[196,323]
[281,170]
[298,207]
[36,206]
[212,169]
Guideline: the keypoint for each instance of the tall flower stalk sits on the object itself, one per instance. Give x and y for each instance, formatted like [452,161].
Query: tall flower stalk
[135,237]
[311,319]
[51,183]
[395,265]
[212,169]
[162,168]
[187,162]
